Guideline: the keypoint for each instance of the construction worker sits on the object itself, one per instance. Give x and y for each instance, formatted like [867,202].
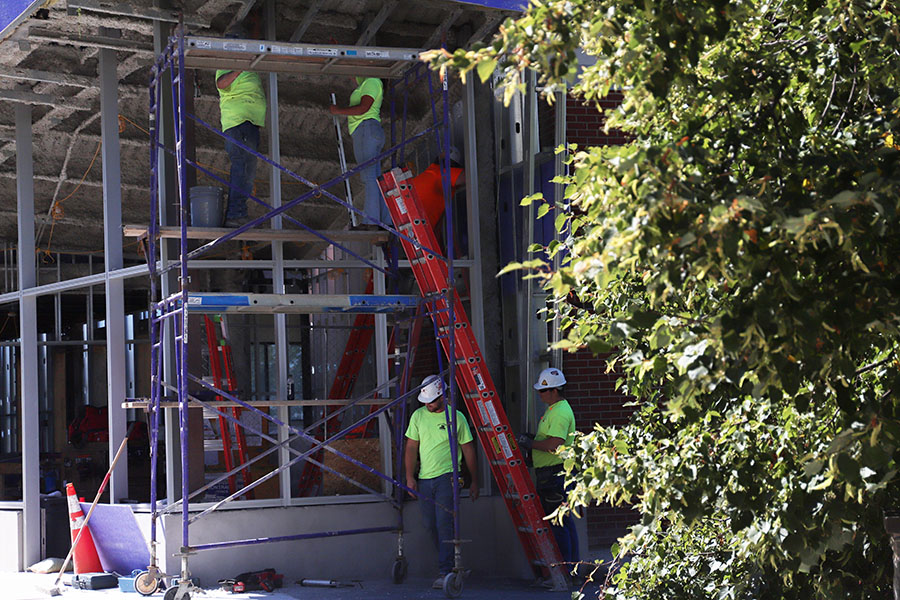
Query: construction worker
[428,442]
[364,122]
[429,185]
[242,104]
[556,427]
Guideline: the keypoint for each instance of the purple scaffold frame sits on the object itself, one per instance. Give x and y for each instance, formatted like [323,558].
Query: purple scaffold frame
[169,315]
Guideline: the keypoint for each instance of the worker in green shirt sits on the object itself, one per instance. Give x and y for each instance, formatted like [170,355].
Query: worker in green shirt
[428,442]
[242,104]
[364,122]
[556,427]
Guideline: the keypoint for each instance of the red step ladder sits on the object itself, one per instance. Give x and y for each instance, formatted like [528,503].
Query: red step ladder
[219,365]
[474,382]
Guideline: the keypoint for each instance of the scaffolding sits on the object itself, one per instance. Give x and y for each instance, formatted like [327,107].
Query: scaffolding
[173,385]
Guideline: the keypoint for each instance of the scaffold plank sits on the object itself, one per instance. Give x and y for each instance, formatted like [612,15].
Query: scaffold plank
[299,303]
[287,57]
[262,235]
[144,403]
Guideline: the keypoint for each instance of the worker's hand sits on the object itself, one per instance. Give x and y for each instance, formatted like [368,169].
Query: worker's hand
[525,440]
[413,485]
[334,109]
[473,491]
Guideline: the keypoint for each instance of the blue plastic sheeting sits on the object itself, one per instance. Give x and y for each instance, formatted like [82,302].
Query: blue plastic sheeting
[498,4]
[13,12]
[118,538]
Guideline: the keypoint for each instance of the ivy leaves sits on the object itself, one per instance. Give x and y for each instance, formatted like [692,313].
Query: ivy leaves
[739,260]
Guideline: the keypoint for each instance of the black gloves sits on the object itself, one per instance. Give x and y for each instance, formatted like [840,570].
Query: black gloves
[525,440]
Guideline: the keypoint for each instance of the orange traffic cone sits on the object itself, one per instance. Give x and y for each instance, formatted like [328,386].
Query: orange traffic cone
[85,554]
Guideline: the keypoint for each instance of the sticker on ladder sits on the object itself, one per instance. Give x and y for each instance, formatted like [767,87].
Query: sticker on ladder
[401,205]
[482,411]
[495,420]
[478,380]
[504,443]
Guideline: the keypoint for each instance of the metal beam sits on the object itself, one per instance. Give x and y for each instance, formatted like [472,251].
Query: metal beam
[307,21]
[242,13]
[29,432]
[448,21]
[112,252]
[386,9]
[281,335]
[490,23]
[127,10]
[472,203]
[33,76]
[90,41]
[25,97]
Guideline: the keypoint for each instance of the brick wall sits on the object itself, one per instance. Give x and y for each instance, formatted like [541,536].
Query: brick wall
[591,390]
[584,123]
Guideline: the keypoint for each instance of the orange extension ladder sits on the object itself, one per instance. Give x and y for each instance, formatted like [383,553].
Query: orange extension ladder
[219,365]
[474,382]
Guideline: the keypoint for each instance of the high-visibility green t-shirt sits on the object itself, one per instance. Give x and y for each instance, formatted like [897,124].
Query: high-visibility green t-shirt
[243,100]
[430,430]
[558,421]
[368,86]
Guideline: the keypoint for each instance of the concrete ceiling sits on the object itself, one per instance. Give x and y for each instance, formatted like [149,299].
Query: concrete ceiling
[51,61]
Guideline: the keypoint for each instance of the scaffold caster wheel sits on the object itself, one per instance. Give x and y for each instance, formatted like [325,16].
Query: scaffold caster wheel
[146,584]
[173,591]
[453,585]
[398,570]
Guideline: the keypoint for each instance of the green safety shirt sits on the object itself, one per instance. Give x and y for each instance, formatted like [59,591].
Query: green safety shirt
[243,100]
[430,430]
[368,86]
[558,421]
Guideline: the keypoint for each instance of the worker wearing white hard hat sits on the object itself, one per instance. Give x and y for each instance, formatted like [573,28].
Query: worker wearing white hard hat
[556,428]
[428,444]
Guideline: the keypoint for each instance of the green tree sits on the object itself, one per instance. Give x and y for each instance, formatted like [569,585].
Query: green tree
[739,260]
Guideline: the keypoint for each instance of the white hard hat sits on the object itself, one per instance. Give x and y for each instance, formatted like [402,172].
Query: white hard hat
[432,388]
[550,378]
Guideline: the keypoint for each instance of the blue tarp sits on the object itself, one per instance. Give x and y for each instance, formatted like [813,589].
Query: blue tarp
[13,12]
[498,4]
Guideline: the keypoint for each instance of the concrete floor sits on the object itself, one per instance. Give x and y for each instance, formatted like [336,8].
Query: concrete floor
[30,586]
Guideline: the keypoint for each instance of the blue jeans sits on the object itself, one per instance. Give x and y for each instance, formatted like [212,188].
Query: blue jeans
[368,141]
[438,521]
[550,484]
[243,167]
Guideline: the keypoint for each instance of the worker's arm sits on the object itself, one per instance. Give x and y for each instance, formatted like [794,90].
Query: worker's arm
[410,455]
[354,111]
[547,445]
[226,79]
[468,451]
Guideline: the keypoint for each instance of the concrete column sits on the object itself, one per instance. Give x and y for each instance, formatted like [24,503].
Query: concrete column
[29,426]
[112,246]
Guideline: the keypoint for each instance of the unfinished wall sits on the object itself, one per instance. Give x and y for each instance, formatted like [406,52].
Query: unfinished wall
[494,551]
